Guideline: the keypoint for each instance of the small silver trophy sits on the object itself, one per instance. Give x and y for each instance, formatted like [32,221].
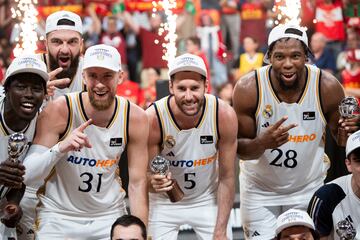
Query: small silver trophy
[17,145]
[161,165]
[345,230]
[348,108]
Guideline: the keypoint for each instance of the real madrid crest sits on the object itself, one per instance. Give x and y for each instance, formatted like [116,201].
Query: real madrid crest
[268,111]
[169,141]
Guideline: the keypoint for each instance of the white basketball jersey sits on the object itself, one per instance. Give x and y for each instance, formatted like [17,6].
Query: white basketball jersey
[77,83]
[86,183]
[5,133]
[192,152]
[293,171]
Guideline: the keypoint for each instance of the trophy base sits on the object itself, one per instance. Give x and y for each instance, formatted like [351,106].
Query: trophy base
[342,137]
[175,194]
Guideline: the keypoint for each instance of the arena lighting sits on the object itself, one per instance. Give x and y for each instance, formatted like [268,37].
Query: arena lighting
[26,13]
[168,28]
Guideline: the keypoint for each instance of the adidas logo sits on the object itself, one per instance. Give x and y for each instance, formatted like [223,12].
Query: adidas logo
[170,154]
[255,234]
[265,125]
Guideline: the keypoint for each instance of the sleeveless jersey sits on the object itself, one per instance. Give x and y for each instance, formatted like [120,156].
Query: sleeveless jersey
[192,152]
[335,209]
[77,83]
[297,168]
[5,133]
[86,183]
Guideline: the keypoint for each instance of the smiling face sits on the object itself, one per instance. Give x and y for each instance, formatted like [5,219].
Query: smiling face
[288,60]
[188,89]
[101,84]
[64,48]
[25,94]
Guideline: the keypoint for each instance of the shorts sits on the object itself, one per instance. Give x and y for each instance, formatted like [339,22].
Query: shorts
[259,222]
[57,228]
[25,228]
[165,222]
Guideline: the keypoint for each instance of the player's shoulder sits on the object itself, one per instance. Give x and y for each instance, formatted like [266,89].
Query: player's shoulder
[246,82]
[329,83]
[331,194]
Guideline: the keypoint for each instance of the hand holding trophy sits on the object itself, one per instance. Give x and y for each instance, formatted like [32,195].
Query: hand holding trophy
[347,109]
[160,165]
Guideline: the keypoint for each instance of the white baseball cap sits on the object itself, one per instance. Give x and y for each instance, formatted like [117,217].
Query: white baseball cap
[289,30]
[52,22]
[28,63]
[352,143]
[103,56]
[293,217]
[188,62]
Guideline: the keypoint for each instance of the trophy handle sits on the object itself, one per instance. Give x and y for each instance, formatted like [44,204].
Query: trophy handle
[175,194]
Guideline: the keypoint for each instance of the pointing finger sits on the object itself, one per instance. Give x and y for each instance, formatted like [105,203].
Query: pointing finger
[83,126]
[55,72]
[281,121]
[58,82]
[287,128]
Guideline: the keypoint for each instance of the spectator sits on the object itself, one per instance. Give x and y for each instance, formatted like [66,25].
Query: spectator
[128,227]
[351,74]
[148,95]
[251,59]
[128,89]
[323,57]
[295,225]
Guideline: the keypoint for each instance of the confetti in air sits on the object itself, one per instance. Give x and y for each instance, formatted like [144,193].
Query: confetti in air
[168,28]
[26,13]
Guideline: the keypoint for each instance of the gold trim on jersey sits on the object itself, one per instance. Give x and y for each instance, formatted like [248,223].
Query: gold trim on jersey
[117,113]
[2,128]
[259,86]
[70,122]
[80,109]
[169,114]
[118,178]
[126,106]
[215,123]
[207,99]
[307,85]
[161,120]
[267,76]
[313,205]
[318,105]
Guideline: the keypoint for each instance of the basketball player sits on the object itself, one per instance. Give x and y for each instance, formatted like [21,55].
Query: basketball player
[25,88]
[63,43]
[197,133]
[282,111]
[335,206]
[79,140]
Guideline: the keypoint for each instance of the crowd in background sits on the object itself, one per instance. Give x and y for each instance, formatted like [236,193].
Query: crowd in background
[230,35]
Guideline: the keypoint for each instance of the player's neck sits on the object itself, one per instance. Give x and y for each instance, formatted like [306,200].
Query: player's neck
[182,120]
[355,187]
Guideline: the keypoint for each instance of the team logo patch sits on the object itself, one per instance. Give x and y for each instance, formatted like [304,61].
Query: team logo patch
[345,229]
[170,141]
[268,111]
[206,139]
[115,142]
[308,115]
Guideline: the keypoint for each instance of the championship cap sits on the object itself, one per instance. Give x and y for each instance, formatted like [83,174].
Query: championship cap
[188,62]
[103,56]
[28,63]
[293,217]
[287,31]
[352,143]
[53,22]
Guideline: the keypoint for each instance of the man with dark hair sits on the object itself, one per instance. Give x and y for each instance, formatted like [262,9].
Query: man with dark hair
[128,227]
[283,164]
[335,206]
[25,88]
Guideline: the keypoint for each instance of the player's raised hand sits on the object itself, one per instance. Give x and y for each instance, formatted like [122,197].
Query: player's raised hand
[161,183]
[276,135]
[54,83]
[77,139]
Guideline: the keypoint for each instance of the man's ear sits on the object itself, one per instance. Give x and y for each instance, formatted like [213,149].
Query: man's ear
[348,165]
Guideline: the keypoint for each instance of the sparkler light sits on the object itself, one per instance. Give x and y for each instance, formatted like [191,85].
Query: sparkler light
[168,28]
[289,11]
[26,13]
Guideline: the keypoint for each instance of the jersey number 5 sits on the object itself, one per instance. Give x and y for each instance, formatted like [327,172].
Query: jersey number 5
[191,182]
[289,161]
[88,178]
